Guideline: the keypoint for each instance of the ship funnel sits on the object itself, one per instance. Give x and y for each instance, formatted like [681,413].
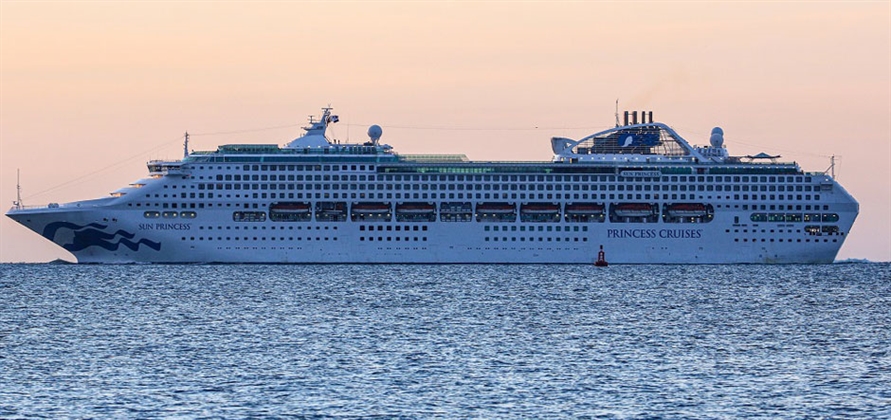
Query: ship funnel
[646,117]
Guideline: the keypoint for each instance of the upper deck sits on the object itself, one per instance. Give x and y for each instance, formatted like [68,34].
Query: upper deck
[645,146]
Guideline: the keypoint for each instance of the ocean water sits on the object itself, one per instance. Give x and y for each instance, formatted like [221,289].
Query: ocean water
[445,341]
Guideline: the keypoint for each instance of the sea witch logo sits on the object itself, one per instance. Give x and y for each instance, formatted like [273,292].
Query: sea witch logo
[93,235]
[654,233]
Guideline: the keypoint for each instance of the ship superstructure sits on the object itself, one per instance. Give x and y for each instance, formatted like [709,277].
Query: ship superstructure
[639,190]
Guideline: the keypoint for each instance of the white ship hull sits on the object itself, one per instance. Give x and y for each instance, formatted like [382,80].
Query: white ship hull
[639,191]
[105,235]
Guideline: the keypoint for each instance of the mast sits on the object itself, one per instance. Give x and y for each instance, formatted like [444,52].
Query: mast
[832,162]
[617,112]
[186,146]
[18,190]
[831,168]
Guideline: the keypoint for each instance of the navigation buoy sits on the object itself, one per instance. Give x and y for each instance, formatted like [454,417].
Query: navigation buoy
[601,259]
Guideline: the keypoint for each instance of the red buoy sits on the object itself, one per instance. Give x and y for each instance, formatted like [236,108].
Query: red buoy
[601,259]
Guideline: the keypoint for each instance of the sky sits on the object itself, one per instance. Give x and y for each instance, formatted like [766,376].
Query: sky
[90,91]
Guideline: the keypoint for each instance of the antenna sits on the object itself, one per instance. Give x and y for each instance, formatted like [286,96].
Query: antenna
[18,190]
[617,112]
[186,146]
[831,168]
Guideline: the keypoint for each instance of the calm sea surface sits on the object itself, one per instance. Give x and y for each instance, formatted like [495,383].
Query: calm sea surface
[421,341]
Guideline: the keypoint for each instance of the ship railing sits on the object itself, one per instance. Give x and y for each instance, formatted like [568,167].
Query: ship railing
[30,207]
[165,162]
[39,206]
[78,204]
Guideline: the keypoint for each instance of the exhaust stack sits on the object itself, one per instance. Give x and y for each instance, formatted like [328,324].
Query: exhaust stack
[646,117]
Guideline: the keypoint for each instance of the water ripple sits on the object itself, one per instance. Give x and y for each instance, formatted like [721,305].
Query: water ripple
[445,341]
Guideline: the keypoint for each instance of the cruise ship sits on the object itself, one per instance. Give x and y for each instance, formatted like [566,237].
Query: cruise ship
[639,191]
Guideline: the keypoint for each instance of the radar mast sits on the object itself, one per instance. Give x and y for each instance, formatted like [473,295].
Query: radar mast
[186,146]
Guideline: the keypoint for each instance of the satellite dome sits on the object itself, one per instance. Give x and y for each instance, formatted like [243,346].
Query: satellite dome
[375,132]
[717,138]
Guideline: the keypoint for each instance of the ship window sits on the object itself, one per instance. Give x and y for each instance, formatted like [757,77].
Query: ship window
[776,217]
[830,217]
[249,216]
[793,217]
[759,217]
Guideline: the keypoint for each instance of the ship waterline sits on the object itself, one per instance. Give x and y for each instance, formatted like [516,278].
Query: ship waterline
[640,191]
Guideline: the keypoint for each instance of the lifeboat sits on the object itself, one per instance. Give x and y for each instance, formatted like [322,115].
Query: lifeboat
[495,208]
[584,209]
[290,208]
[415,208]
[633,209]
[687,210]
[290,211]
[540,208]
[371,208]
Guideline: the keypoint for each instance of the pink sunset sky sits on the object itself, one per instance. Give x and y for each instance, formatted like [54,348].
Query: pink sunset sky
[90,91]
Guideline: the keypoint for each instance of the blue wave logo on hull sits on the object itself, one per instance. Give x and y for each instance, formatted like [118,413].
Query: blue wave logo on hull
[93,235]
